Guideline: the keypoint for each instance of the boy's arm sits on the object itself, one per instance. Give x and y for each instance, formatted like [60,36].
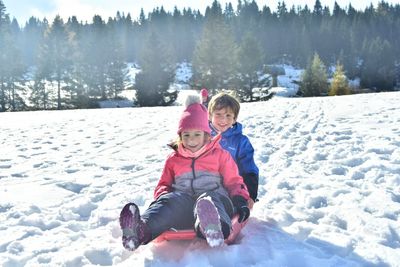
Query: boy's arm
[247,167]
[232,181]
[251,181]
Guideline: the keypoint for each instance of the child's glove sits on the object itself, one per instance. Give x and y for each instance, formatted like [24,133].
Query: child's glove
[241,207]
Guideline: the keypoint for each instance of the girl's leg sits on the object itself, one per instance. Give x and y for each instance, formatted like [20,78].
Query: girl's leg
[134,231]
[224,207]
[208,222]
[171,210]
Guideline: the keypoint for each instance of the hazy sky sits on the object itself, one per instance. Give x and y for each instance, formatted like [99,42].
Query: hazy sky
[86,9]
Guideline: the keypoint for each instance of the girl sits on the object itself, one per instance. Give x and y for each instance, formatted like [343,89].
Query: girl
[204,97]
[199,187]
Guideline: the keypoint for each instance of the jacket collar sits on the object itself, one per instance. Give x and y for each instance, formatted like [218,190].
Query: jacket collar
[235,129]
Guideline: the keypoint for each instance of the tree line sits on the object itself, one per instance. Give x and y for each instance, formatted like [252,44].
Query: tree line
[72,64]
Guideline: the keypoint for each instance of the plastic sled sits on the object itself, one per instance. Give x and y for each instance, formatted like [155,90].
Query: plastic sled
[190,234]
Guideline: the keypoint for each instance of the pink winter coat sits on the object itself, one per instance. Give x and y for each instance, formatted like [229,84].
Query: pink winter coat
[213,170]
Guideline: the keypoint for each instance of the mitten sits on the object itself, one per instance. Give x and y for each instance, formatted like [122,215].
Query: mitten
[241,207]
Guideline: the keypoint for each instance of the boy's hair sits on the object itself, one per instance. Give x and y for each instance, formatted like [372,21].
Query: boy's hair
[224,100]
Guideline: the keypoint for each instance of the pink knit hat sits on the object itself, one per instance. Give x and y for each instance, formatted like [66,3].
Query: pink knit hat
[195,116]
[204,92]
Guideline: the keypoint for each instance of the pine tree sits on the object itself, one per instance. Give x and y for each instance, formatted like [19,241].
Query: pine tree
[56,45]
[183,39]
[314,80]
[17,71]
[77,88]
[5,42]
[246,21]
[215,56]
[317,12]
[116,71]
[250,68]
[378,68]
[32,37]
[95,58]
[339,84]
[11,66]
[41,96]
[117,76]
[156,75]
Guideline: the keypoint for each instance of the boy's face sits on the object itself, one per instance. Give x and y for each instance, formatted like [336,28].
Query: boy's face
[223,119]
[193,140]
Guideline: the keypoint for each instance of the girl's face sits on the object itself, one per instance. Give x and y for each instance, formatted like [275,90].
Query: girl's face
[223,119]
[193,140]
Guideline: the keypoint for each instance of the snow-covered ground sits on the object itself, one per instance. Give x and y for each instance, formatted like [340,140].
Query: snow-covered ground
[329,187]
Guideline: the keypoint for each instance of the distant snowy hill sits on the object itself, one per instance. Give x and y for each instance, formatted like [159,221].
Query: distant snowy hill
[329,187]
[287,85]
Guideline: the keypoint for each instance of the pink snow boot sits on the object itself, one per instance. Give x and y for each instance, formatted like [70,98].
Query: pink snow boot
[134,230]
[209,222]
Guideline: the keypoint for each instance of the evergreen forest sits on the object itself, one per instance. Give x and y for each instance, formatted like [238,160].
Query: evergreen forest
[73,64]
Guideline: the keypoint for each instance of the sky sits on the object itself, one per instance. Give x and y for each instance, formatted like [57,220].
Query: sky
[86,9]
[329,190]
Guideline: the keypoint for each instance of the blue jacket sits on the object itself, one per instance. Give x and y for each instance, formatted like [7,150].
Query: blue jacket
[242,152]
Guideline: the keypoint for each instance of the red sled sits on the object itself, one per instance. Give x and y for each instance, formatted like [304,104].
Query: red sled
[190,234]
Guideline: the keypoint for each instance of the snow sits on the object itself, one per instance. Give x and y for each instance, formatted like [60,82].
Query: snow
[284,91]
[121,103]
[292,74]
[329,187]
[183,73]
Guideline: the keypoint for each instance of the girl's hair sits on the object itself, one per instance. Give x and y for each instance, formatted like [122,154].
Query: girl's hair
[224,100]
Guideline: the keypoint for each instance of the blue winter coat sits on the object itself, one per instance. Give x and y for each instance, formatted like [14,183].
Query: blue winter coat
[242,152]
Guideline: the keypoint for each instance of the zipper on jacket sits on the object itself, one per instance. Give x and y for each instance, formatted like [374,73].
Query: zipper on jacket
[194,175]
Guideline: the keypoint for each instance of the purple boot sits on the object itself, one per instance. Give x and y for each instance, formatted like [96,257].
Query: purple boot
[134,230]
[209,222]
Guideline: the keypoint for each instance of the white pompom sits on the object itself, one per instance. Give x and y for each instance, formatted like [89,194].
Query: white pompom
[192,99]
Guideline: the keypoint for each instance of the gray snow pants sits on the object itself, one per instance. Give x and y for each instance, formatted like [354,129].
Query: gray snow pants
[177,210]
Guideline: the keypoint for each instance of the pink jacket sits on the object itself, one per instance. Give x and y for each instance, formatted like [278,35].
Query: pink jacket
[214,169]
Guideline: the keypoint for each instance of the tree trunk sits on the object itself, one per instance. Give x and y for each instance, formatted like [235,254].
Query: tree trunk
[2,97]
[58,94]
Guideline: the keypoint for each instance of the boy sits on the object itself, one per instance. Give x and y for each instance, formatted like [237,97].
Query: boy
[223,110]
